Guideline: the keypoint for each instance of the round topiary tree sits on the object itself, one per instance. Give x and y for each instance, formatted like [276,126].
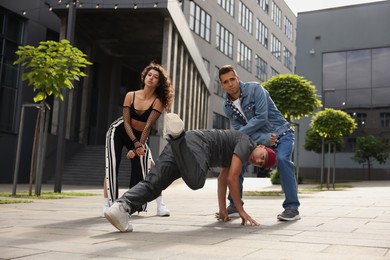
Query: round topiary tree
[331,123]
[313,142]
[293,95]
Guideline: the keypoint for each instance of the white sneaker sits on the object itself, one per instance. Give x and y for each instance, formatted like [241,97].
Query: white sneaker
[163,211]
[119,217]
[105,208]
[174,126]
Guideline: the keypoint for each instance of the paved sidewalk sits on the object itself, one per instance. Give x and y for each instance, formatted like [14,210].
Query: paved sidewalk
[349,224]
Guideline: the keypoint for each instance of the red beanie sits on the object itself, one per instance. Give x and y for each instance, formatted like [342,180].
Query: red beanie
[271,158]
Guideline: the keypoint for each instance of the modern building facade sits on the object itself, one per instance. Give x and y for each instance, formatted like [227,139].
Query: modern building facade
[120,39]
[345,52]
[256,37]
[191,39]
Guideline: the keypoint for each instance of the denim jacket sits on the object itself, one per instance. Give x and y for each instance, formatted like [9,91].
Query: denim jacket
[263,116]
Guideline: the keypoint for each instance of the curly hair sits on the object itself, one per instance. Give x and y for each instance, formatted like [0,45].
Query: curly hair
[164,91]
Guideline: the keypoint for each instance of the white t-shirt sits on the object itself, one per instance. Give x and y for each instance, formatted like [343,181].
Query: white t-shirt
[237,104]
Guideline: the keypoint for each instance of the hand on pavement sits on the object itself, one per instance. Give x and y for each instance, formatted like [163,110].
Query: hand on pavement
[222,216]
[247,219]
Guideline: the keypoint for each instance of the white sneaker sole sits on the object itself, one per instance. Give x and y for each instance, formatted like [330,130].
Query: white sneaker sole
[163,214]
[231,215]
[174,125]
[297,217]
[114,221]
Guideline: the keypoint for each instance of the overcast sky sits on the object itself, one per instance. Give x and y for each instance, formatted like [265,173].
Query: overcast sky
[309,5]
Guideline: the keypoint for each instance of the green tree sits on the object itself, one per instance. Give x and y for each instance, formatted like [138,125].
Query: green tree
[332,124]
[313,142]
[49,68]
[294,96]
[369,149]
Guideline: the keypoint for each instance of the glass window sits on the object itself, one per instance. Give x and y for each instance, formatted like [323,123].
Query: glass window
[217,87]
[385,119]
[288,29]
[261,33]
[274,72]
[13,29]
[7,101]
[244,56]
[334,70]
[359,80]
[276,15]
[228,5]
[2,18]
[9,75]
[261,69]
[206,64]
[264,5]
[224,41]
[245,17]
[288,59]
[12,26]
[380,67]
[381,97]
[276,47]
[200,21]
[358,98]
[361,119]
[334,98]
[358,69]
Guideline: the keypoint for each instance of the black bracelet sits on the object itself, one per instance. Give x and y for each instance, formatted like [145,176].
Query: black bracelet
[134,140]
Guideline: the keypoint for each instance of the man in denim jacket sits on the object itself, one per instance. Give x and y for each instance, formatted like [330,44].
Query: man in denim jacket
[252,111]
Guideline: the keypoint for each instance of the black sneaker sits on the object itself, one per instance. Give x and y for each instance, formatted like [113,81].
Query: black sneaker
[232,211]
[289,215]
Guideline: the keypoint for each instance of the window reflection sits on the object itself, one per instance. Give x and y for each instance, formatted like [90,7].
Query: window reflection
[358,69]
[380,67]
[334,70]
[360,84]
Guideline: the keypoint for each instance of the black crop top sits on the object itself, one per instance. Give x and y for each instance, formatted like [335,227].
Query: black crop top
[140,115]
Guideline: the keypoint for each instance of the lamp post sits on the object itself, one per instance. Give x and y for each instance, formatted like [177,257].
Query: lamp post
[70,28]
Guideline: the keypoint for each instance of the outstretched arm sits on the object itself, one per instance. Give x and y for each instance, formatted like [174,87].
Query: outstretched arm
[234,188]
[222,187]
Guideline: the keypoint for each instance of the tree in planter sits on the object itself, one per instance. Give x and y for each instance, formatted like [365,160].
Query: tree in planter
[295,97]
[369,149]
[50,68]
[332,125]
